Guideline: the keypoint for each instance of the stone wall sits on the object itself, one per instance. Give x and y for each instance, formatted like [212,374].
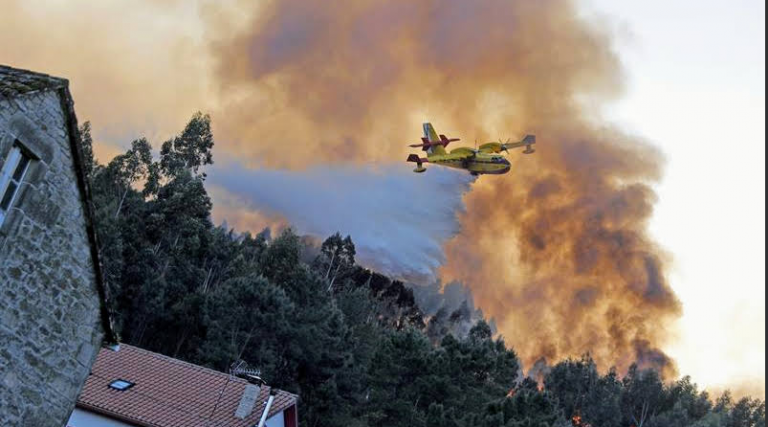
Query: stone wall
[49,306]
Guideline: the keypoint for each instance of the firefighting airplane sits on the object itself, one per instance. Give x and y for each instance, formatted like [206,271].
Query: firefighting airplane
[482,160]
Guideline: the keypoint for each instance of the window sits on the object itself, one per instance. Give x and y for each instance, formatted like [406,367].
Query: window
[121,385]
[11,176]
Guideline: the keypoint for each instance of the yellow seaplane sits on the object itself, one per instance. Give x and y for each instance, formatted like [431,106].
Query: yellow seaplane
[485,159]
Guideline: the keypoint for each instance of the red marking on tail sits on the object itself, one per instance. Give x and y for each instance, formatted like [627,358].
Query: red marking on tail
[416,159]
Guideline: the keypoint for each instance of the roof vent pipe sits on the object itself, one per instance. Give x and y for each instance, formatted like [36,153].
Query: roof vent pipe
[266,408]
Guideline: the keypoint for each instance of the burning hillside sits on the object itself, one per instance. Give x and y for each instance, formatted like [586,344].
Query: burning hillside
[556,251]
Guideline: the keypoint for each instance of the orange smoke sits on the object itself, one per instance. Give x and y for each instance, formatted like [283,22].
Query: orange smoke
[242,217]
[557,250]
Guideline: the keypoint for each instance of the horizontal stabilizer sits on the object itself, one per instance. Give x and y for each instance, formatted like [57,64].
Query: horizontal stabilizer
[445,140]
[427,144]
[419,162]
[416,159]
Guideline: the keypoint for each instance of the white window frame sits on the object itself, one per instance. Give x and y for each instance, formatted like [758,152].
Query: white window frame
[6,177]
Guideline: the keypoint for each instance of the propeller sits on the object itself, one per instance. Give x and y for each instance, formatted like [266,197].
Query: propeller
[503,145]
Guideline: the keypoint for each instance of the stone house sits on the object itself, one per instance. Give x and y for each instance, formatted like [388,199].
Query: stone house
[53,315]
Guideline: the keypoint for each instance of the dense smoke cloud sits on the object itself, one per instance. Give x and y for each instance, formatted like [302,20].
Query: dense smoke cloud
[556,251]
[136,69]
[399,224]
[449,308]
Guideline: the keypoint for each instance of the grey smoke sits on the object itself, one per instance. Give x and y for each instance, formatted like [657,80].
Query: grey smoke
[449,308]
[434,296]
[398,220]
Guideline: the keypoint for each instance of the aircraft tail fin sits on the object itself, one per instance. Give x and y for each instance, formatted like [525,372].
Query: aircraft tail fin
[430,137]
[429,133]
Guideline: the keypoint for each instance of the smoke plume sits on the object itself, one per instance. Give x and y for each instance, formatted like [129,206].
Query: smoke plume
[557,250]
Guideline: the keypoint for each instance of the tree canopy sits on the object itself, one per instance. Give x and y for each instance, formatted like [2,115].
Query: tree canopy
[352,343]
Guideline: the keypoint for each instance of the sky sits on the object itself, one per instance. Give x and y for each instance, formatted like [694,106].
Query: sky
[696,89]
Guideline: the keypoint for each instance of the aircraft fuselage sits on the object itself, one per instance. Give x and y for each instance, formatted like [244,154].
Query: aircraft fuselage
[480,164]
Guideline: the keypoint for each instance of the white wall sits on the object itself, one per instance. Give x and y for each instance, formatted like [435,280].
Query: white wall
[81,418]
[276,421]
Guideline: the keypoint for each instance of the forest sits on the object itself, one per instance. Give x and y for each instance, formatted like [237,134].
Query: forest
[352,343]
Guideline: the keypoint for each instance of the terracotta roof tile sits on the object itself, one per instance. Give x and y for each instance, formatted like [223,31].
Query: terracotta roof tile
[169,392]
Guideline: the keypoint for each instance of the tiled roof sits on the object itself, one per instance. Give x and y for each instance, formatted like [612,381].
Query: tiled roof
[14,81]
[169,392]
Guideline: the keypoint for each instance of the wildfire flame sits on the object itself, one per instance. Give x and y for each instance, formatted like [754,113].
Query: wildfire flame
[556,251]
[577,421]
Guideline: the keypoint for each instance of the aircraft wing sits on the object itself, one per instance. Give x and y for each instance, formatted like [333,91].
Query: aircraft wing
[526,142]
[463,153]
[491,147]
[497,147]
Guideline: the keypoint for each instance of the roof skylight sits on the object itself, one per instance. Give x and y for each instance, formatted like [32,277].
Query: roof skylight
[121,385]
